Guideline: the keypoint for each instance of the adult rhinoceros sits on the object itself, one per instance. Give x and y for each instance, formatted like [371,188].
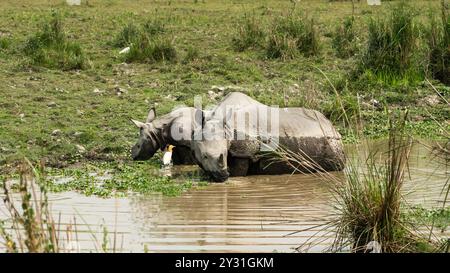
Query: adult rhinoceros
[244,140]
[176,128]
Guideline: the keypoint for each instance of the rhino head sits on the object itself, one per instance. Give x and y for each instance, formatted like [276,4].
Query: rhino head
[210,147]
[147,144]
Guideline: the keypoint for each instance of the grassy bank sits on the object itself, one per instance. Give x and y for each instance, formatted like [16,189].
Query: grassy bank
[71,101]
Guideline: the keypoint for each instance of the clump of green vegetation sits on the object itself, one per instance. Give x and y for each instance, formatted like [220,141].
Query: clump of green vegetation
[292,34]
[439,218]
[370,200]
[4,43]
[146,42]
[147,49]
[50,47]
[344,38]
[154,27]
[126,36]
[192,54]
[391,44]
[439,47]
[139,178]
[249,34]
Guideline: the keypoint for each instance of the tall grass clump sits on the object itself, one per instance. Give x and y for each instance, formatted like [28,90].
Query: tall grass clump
[249,34]
[439,46]
[291,35]
[126,36]
[147,42]
[146,49]
[370,202]
[370,214]
[344,38]
[391,45]
[132,32]
[51,48]
[4,43]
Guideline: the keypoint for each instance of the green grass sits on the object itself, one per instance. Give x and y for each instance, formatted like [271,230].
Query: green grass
[35,102]
[344,38]
[51,48]
[292,35]
[392,45]
[249,34]
[438,218]
[439,46]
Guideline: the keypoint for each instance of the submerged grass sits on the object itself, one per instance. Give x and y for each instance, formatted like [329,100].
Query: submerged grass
[106,180]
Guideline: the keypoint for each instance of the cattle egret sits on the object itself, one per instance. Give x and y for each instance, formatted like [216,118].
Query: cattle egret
[125,50]
[167,157]
[73,2]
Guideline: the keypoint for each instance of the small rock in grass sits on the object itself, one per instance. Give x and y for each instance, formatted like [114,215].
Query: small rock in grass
[431,100]
[80,148]
[51,104]
[56,132]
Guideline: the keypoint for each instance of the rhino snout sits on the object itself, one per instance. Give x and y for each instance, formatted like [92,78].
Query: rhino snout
[220,176]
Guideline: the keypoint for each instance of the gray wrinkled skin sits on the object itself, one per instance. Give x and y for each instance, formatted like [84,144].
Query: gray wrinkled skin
[301,131]
[156,132]
[211,150]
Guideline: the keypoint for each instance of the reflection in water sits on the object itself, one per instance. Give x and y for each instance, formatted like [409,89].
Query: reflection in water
[257,213]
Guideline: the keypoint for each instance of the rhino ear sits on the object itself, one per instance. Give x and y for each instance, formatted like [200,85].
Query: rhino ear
[138,123]
[151,115]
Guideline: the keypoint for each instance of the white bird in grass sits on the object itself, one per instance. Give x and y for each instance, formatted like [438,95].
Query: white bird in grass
[125,50]
[167,157]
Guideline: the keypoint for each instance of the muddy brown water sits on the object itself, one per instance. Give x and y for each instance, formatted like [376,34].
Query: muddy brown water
[246,214]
